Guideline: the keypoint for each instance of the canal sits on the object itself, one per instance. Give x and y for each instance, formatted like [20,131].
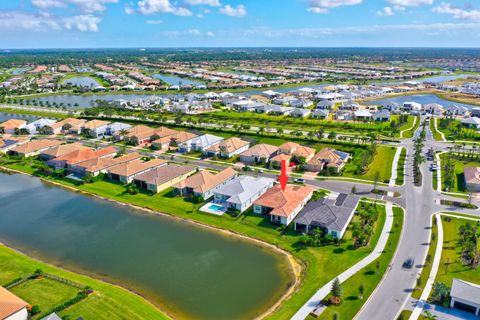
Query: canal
[189,271]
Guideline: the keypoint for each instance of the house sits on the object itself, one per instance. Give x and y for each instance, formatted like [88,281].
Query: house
[474,112]
[52,316]
[472,123]
[68,125]
[465,296]
[259,153]
[99,165]
[343,115]
[350,106]
[95,128]
[61,150]
[204,183]
[362,115]
[35,126]
[12,307]
[412,107]
[283,206]
[136,135]
[11,125]
[240,193]
[116,128]
[33,147]
[472,178]
[329,158]
[7,143]
[163,177]
[455,110]
[332,216]
[433,108]
[325,105]
[320,114]
[301,103]
[276,161]
[297,151]
[300,113]
[127,171]
[69,160]
[173,140]
[199,143]
[381,116]
[228,148]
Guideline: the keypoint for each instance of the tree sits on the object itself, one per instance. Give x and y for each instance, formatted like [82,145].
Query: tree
[440,291]
[354,189]
[361,290]
[336,290]
[376,178]
[429,316]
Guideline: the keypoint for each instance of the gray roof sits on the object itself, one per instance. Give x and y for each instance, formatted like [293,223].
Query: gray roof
[205,140]
[243,188]
[328,213]
[52,316]
[466,291]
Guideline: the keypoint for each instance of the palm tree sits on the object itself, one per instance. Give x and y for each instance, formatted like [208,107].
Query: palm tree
[429,316]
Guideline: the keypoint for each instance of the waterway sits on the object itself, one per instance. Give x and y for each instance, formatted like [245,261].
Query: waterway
[177,81]
[190,271]
[88,82]
[420,98]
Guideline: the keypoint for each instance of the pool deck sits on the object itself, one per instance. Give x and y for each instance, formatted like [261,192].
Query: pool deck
[206,208]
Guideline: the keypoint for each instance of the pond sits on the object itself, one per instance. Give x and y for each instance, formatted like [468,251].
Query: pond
[88,82]
[420,98]
[177,81]
[4,116]
[192,272]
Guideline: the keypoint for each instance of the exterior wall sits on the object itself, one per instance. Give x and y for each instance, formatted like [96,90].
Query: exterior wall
[454,299]
[19,315]
[168,184]
[473,187]
[234,153]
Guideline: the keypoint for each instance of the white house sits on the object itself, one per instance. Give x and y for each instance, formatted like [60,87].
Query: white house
[34,126]
[465,296]
[199,143]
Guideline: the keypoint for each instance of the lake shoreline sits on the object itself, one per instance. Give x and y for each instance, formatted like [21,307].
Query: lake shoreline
[295,267]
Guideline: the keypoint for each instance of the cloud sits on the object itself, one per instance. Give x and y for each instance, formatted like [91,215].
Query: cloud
[154,22]
[23,21]
[385,12]
[458,13]
[239,11]
[409,3]
[322,6]
[88,6]
[209,34]
[212,3]
[187,33]
[148,7]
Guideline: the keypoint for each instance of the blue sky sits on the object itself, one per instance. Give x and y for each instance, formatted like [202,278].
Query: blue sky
[239,23]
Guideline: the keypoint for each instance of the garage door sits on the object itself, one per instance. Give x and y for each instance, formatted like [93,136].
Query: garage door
[464,307]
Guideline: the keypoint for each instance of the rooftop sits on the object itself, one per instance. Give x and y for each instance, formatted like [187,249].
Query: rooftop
[284,202]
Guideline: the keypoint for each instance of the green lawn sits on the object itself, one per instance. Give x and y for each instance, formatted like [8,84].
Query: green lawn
[436,134]
[404,126]
[45,293]
[120,303]
[401,167]
[450,264]
[453,130]
[320,264]
[459,163]
[369,276]
[382,163]
[409,133]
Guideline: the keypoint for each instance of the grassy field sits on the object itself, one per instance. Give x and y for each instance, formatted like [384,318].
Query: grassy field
[459,180]
[450,264]
[405,126]
[401,167]
[320,264]
[382,163]
[369,276]
[454,131]
[409,133]
[436,134]
[116,302]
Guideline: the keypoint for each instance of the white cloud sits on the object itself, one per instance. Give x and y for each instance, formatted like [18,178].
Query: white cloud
[458,13]
[23,21]
[322,6]
[410,3]
[187,33]
[88,6]
[239,11]
[212,3]
[129,9]
[154,22]
[148,7]
[385,12]
[209,34]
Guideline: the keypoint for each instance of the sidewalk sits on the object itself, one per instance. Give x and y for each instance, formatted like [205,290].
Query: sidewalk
[393,177]
[305,310]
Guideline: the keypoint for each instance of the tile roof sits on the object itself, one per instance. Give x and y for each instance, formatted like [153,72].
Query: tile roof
[285,202]
[13,124]
[98,164]
[128,169]
[74,122]
[179,137]
[229,145]
[94,124]
[36,145]
[81,155]
[64,149]
[471,174]
[260,150]
[331,157]
[161,175]
[10,303]
[281,156]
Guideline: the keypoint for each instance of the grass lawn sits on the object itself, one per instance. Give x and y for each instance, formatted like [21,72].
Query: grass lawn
[436,134]
[45,293]
[120,303]
[382,162]
[450,264]
[409,133]
[404,126]
[459,180]
[369,276]
[401,167]
[428,264]
[320,264]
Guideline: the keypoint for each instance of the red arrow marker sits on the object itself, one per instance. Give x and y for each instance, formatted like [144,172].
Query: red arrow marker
[283,178]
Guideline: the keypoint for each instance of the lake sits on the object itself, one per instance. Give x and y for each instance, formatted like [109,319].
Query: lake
[177,81]
[192,272]
[88,82]
[420,98]
[4,116]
